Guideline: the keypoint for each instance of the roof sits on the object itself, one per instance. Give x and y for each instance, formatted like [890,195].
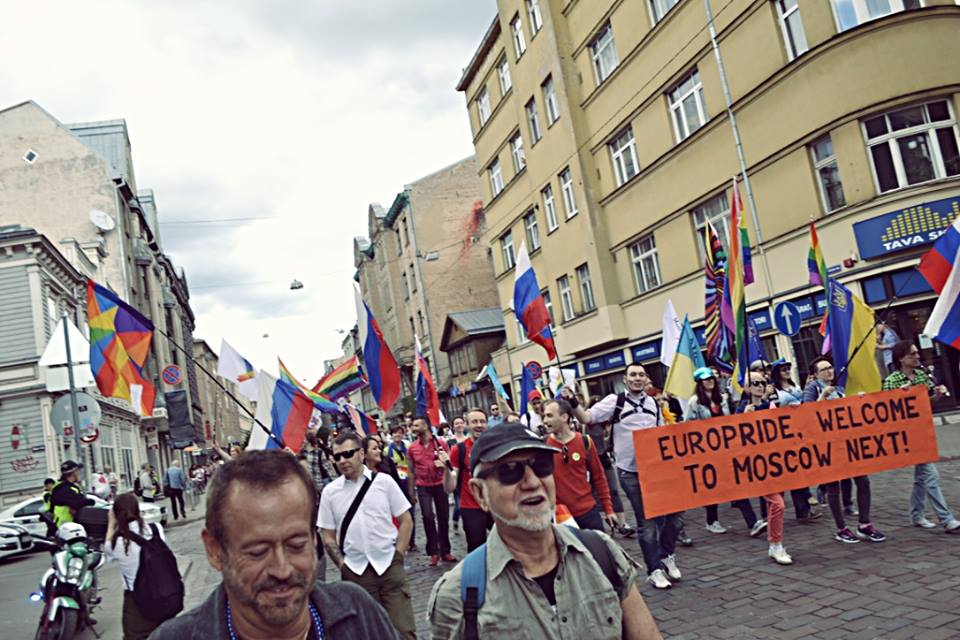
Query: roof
[473,322]
[489,38]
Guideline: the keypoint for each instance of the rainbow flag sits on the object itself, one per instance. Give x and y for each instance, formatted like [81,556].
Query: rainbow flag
[342,381]
[119,344]
[734,292]
[320,401]
[717,334]
[816,266]
[737,203]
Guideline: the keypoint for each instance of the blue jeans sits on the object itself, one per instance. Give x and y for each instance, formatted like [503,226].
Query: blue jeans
[590,520]
[926,482]
[657,536]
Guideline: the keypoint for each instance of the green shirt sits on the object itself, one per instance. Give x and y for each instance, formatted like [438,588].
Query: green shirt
[897,379]
[515,607]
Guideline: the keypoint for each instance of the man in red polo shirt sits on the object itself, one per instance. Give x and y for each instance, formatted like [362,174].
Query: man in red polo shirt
[576,467]
[476,521]
[426,474]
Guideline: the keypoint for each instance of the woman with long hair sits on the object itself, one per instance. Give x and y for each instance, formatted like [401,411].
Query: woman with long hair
[708,402]
[789,393]
[124,519]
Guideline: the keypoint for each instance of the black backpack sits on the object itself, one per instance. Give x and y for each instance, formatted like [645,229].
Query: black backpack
[158,588]
[137,487]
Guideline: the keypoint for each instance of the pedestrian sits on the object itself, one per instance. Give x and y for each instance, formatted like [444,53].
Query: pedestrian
[100,486]
[533,419]
[316,460]
[790,394]
[708,402]
[495,418]
[887,339]
[821,389]
[46,511]
[456,480]
[539,579]
[577,472]
[629,411]
[397,451]
[123,520]
[926,478]
[113,480]
[599,432]
[66,496]
[260,535]
[426,474]
[174,482]
[374,460]
[757,397]
[458,436]
[356,523]
[146,488]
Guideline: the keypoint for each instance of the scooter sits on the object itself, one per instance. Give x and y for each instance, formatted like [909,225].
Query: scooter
[68,589]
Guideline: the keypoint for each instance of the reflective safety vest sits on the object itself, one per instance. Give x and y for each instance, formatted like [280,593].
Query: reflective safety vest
[400,459]
[61,512]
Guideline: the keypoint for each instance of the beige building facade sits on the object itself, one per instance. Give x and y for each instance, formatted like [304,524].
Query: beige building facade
[223,417]
[603,142]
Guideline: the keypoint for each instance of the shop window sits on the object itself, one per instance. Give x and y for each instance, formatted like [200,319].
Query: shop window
[909,283]
[874,291]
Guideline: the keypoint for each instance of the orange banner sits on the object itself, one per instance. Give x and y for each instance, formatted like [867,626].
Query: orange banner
[703,462]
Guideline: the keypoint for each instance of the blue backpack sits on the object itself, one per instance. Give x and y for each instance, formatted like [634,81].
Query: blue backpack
[473,577]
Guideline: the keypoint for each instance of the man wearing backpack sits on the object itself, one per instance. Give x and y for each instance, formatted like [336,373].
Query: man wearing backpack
[533,578]
[629,411]
[174,482]
[456,475]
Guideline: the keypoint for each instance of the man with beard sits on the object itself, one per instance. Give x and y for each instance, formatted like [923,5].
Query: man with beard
[456,480]
[367,548]
[541,579]
[260,535]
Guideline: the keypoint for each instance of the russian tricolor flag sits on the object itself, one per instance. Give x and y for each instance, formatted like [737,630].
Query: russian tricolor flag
[428,402]
[383,374]
[529,306]
[941,267]
[283,410]
[361,422]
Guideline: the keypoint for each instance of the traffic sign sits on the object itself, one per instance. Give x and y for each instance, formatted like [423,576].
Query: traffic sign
[535,370]
[15,437]
[172,374]
[90,437]
[786,316]
[88,410]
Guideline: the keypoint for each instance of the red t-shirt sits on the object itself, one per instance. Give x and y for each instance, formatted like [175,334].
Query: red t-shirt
[573,488]
[467,501]
[421,459]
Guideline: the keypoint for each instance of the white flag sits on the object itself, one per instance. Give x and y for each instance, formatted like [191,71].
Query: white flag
[264,384]
[237,369]
[671,334]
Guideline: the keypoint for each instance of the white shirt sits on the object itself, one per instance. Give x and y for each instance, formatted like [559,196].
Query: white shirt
[639,412]
[129,558]
[531,421]
[372,537]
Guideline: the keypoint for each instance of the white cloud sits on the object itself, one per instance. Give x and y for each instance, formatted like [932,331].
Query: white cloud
[248,109]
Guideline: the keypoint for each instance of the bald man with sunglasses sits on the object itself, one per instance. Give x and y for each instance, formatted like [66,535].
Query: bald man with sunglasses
[540,578]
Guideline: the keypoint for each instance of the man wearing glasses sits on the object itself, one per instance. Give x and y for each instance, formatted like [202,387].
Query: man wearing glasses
[495,417]
[577,470]
[356,524]
[456,475]
[540,580]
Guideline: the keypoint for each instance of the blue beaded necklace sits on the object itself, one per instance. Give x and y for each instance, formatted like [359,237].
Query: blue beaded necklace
[314,615]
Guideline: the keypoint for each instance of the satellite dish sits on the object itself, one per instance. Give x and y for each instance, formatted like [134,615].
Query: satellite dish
[102,220]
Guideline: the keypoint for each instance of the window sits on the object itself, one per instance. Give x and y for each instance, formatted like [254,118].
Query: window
[533,231]
[483,106]
[550,208]
[687,105]
[406,233]
[533,120]
[549,305]
[521,333]
[794,39]
[569,199]
[566,298]
[913,145]
[503,70]
[646,266]
[586,288]
[399,242]
[506,246]
[828,174]
[420,322]
[603,50]
[623,152]
[413,279]
[851,13]
[406,285]
[536,20]
[496,177]
[516,149]
[516,28]
[550,100]
[717,212]
[659,8]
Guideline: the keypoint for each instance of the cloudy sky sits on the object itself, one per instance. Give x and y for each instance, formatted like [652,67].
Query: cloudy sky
[300,111]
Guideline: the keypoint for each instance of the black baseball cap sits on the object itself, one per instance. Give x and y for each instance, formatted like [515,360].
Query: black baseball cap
[505,439]
[69,465]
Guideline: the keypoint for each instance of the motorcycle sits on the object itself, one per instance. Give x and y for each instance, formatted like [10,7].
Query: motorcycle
[68,589]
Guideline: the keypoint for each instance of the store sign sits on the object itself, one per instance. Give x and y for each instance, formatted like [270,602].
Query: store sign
[613,360]
[646,351]
[761,319]
[905,228]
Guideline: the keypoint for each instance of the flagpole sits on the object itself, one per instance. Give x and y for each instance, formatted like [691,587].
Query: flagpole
[227,391]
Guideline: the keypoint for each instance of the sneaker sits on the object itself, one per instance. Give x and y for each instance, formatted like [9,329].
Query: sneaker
[815,514]
[659,580]
[952,527]
[845,535]
[780,555]
[813,502]
[448,558]
[434,560]
[716,527]
[923,523]
[850,510]
[684,539]
[758,528]
[626,530]
[670,562]
[869,532]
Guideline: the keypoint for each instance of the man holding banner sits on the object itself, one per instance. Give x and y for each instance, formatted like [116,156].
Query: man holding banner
[629,411]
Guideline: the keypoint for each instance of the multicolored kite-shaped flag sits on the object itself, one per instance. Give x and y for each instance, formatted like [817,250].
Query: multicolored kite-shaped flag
[119,345]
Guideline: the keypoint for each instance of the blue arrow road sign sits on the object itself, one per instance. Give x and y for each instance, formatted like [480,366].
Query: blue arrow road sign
[787,318]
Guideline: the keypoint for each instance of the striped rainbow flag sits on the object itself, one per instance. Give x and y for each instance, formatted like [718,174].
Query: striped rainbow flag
[320,401]
[342,381]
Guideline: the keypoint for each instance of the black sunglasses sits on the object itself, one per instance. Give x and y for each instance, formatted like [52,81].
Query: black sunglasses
[343,455]
[512,472]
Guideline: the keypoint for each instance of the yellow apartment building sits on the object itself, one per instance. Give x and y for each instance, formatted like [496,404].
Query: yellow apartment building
[603,141]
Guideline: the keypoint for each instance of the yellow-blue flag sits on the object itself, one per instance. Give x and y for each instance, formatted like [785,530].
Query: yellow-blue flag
[687,360]
[851,325]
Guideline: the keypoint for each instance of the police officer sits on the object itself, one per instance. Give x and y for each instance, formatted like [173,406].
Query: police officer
[67,498]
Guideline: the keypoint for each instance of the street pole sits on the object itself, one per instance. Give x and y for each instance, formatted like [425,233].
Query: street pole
[75,414]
